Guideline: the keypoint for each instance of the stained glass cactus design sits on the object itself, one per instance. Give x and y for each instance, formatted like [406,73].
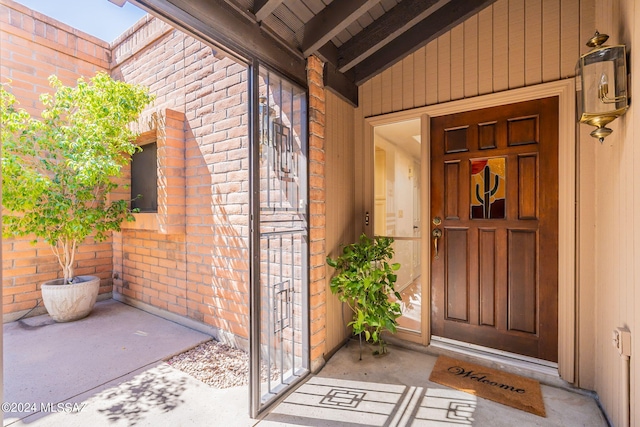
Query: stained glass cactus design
[488,188]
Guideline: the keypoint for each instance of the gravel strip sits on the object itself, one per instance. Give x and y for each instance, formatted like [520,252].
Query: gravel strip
[217,365]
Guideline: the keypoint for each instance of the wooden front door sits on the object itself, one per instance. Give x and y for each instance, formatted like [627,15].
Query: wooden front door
[494,212]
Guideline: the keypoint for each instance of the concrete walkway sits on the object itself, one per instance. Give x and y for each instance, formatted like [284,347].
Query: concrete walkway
[108,370]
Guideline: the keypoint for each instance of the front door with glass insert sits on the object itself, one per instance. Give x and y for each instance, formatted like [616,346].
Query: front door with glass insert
[494,228]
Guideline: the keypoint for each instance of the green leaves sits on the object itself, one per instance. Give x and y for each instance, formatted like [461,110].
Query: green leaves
[365,280]
[58,169]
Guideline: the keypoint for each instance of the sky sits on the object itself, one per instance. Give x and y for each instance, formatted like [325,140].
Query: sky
[100,18]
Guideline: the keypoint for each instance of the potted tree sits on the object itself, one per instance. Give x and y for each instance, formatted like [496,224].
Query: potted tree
[58,171]
[365,279]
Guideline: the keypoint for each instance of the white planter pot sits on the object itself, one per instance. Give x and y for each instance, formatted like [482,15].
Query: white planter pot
[65,303]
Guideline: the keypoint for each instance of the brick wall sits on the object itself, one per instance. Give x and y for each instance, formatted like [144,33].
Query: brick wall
[201,270]
[317,285]
[34,47]
[191,258]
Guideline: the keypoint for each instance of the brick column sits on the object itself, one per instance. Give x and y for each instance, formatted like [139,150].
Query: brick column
[317,285]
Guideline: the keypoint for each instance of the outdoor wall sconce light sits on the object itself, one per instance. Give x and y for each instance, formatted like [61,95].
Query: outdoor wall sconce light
[601,85]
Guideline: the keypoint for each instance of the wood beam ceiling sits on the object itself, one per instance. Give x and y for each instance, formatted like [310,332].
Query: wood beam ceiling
[334,18]
[436,24]
[264,8]
[398,29]
[382,31]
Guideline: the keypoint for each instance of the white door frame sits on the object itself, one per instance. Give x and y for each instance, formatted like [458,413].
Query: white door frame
[565,91]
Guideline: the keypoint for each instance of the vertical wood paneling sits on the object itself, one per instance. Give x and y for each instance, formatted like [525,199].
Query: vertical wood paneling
[608,250]
[616,251]
[340,200]
[444,67]
[419,80]
[500,45]
[633,20]
[533,42]
[608,256]
[627,191]
[396,86]
[457,62]
[431,75]
[586,261]
[387,104]
[366,91]
[607,285]
[485,51]
[516,43]
[407,83]
[510,44]
[376,96]
[358,167]
[587,23]
[471,57]
[551,45]
[569,36]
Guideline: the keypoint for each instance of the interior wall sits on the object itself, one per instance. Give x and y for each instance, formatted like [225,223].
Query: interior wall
[615,197]
[340,206]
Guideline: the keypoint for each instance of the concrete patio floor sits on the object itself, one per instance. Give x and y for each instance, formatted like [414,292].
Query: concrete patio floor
[109,370]
[417,401]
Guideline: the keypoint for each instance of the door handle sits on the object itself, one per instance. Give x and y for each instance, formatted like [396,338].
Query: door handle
[436,234]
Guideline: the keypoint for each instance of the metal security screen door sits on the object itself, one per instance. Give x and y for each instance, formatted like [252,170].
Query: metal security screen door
[279,305]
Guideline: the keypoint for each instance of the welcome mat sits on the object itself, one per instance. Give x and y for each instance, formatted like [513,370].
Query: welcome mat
[508,389]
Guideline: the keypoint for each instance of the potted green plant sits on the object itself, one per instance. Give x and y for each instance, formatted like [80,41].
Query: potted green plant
[58,171]
[365,279]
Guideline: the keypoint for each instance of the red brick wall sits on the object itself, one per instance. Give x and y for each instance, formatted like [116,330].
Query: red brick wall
[202,270]
[34,47]
[317,285]
[192,257]
[153,262]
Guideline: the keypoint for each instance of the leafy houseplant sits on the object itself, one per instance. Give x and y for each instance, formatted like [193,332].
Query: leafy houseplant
[365,280]
[58,169]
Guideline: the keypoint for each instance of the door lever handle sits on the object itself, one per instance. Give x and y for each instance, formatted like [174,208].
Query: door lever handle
[437,234]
